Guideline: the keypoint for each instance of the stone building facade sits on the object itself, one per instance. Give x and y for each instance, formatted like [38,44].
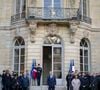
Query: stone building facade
[51,33]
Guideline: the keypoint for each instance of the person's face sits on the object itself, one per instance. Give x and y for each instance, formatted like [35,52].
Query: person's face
[51,73]
[76,77]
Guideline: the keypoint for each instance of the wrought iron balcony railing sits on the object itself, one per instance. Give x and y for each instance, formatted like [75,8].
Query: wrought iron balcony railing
[18,17]
[52,13]
[41,13]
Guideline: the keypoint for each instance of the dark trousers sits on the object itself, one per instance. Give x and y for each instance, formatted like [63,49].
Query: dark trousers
[3,88]
[67,86]
[38,81]
[51,88]
[84,88]
[25,88]
[7,88]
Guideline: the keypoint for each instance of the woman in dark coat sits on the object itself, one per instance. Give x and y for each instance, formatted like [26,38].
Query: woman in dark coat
[51,81]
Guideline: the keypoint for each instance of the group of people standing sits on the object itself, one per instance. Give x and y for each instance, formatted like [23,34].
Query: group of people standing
[14,82]
[83,81]
[75,80]
[51,79]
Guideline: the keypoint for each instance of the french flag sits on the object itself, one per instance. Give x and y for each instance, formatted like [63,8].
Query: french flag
[33,71]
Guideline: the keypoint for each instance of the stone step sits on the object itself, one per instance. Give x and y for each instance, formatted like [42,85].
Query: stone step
[46,88]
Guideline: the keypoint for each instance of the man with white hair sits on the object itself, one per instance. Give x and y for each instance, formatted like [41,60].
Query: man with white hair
[51,81]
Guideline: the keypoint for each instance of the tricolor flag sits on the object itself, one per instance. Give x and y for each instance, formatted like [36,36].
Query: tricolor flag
[33,70]
[72,66]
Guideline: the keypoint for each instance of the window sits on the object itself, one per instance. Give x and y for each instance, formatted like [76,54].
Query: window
[19,55]
[84,7]
[20,6]
[52,9]
[84,56]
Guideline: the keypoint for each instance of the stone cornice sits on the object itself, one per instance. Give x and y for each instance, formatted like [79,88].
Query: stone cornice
[14,25]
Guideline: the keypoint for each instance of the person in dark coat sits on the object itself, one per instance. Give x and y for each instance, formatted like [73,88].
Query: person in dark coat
[19,82]
[69,79]
[51,81]
[84,82]
[98,80]
[39,72]
[4,80]
[8,81]
[13,82]
[93,82]
[25,82]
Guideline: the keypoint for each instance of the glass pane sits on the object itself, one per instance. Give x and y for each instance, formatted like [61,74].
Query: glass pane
[22,43]
[58,74]
[16,59]
[47,8]
[16,43]
[81,52]
[86,60]
[81,59]
[57,54]
[16,67]
[57,9]
[81,67]
[57,3]
[84,7]
[57,58]
[22,51]
[57,66]
[18,6]
[22,59]
[22,68]
[86,67]
[85,52]
[16,52]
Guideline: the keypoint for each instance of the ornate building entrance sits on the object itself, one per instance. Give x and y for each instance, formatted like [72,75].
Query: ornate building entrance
[52,58]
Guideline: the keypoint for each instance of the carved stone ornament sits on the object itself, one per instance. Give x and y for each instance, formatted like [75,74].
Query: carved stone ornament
[32,28]
[72,30]
[52,29]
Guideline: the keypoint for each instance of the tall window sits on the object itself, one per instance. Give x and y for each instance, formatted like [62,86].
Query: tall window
[19,55]
[84,56]
[84,7]
[20,6]
[52,8]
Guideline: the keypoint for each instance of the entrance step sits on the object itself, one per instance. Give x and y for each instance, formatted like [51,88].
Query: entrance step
[46,88]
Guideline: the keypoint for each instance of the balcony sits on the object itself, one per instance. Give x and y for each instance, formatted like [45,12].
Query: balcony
[18,17]
[51,14]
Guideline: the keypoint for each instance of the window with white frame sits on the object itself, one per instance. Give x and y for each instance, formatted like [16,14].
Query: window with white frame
[20,6]
[84,56]
[52,9]
[19,55]
[84,5]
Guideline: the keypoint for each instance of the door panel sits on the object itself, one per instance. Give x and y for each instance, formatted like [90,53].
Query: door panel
[47,62]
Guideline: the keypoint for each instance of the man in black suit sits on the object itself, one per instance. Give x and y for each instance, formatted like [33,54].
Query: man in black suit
[39,72]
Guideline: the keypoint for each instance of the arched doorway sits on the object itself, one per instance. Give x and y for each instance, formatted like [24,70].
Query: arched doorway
[52,58]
